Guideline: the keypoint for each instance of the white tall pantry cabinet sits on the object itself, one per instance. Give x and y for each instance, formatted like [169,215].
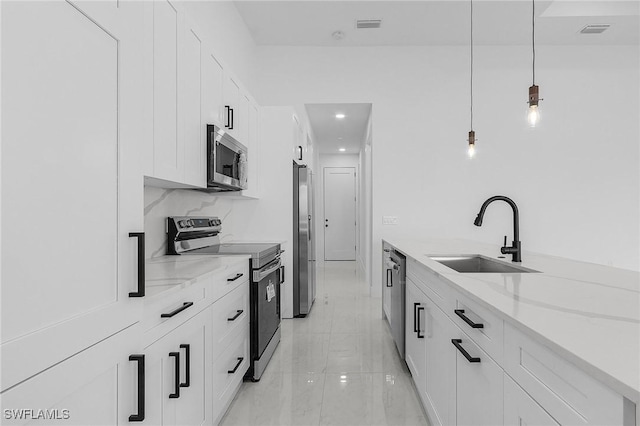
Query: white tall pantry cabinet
[71,194]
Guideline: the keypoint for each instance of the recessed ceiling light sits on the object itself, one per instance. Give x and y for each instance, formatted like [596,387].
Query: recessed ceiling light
[337,35]
[340,115]
[342,149]
[595,29]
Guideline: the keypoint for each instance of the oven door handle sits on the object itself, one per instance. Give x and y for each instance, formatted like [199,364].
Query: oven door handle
[260,274]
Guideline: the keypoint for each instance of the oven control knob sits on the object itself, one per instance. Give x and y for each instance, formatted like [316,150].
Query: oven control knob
[182,224]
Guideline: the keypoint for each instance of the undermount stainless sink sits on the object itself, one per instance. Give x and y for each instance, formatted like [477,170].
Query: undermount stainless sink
[475,263]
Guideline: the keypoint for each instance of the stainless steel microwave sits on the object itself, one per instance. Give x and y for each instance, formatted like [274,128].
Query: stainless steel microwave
[226,161]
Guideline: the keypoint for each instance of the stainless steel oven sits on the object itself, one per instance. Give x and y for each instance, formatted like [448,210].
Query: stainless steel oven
[226,161]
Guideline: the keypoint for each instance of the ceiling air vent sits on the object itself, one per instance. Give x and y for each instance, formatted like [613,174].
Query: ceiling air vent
[368,23]
[594,29]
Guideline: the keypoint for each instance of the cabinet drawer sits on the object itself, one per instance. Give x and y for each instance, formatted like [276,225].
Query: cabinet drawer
[430,284]
[521,409]
[481,325]
[228,371]
[230,314]
[164,314]
[235,274]
[568,394]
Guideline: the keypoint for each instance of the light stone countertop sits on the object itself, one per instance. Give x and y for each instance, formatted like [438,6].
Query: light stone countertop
[589,314]
[172,272]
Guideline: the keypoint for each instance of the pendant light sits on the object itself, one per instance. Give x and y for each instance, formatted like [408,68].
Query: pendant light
[471,150]
[533,117]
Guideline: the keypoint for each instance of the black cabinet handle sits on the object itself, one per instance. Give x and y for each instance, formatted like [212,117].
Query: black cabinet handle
[139,416]
[236,367]
[235,278]
[300,152]
[231,119]
[282,274]
[184,306]
[457,344]
[228,123]
[420,308]
[460,313]
[176,393]
[238,313]
[141,268]
[415,317]
[187,365]
[389,279]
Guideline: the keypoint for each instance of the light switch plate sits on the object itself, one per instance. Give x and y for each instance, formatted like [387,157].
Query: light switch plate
[389,220]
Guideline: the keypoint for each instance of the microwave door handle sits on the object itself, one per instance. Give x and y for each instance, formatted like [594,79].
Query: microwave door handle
[259,275]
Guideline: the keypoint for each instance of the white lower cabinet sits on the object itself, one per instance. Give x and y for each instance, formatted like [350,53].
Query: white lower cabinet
[479,387]
[472,368]
[96,386]
[521,409]
[177,374]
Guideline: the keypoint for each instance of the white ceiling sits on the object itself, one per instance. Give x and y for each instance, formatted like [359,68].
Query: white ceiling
[438,22]
[332,133]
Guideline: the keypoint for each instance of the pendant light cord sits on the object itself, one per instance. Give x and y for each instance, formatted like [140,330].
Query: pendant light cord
[471,63]
[533,39]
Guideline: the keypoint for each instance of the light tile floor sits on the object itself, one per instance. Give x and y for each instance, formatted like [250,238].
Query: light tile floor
[337,366]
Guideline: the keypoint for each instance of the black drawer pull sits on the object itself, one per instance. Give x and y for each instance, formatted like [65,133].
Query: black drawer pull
[420,308]
[141,265]
[184,306]
[415,317]
[176,393]
[238,313]
[187,365]
[139,416]
[235,278]
[236,367]
[460,313]
[457,344]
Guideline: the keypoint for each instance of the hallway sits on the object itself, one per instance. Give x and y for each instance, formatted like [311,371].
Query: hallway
[338,366]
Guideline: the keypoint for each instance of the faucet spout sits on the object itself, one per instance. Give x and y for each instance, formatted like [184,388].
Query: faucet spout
[515,249]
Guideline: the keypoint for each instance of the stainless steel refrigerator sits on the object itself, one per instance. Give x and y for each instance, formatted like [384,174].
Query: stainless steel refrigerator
[304,252]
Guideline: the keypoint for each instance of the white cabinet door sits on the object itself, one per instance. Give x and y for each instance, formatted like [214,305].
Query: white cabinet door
[440,391]
[253,147]
[168,153]
[521,409]
[241,121]
[190,106]
[178,374]
[479,385]
[70,111]
[415,349]
[212,92]
[298,143]
[95,387]
[231,105]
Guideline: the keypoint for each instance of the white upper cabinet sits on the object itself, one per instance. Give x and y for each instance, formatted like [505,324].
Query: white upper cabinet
[191,88]
[168,154]
[212,90]
[299,142]
[71,187]
[190,104]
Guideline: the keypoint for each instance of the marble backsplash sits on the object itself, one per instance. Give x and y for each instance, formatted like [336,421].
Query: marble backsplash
[160,203]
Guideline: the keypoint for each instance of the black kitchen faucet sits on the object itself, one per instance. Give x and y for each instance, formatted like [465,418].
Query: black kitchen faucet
[515,249]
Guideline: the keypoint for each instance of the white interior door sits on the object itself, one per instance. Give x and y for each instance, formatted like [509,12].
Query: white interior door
[339,213]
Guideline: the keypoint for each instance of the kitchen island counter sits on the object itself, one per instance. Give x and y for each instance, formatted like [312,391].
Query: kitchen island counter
[588,314]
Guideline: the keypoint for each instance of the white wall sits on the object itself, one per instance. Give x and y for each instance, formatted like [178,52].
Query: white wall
[575,178]
[331,160]
[365,207]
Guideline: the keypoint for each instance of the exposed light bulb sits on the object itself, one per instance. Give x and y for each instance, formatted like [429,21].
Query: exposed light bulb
[533,116]
[471,151]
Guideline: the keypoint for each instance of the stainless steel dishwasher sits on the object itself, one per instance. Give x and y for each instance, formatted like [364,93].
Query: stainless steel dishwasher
[395,279]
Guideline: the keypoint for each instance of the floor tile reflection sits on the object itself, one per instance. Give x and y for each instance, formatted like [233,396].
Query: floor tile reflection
[337,366]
